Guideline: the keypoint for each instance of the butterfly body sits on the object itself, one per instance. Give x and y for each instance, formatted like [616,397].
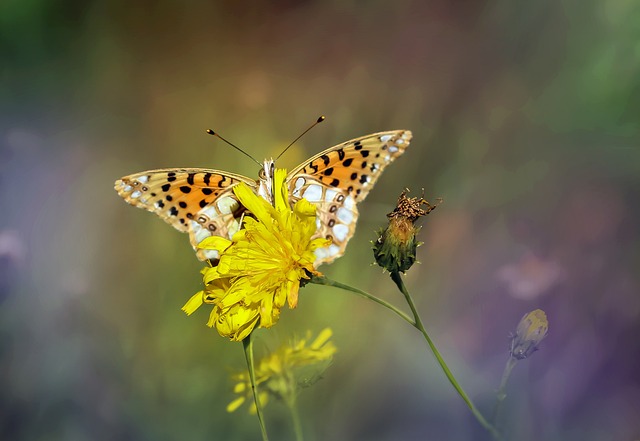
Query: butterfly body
[201,202]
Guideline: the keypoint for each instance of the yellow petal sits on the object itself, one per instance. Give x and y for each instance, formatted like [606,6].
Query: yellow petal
[193,303]
[254,203]
[322,338]
[214,243]
[233,406]
[281,196]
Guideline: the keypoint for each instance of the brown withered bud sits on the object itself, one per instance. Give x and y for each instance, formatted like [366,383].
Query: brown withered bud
[395,248]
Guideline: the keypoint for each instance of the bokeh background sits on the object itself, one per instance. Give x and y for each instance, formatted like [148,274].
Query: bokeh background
[526,121]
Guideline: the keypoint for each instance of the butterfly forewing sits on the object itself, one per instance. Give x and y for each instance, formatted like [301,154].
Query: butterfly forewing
[340,177]
[198,201]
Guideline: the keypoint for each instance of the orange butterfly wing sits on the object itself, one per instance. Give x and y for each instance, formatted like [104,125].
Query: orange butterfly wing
[340,177]
[197,201]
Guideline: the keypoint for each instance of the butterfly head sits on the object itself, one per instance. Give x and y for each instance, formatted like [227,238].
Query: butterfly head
[265,185]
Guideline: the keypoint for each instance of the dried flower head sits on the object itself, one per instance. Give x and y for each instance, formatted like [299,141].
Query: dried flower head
[395,248]
[531,330]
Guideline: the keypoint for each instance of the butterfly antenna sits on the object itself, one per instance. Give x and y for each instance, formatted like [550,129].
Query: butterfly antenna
[301,135]
[211,132]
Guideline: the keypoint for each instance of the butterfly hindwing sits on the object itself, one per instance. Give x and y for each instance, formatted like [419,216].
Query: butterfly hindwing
[198,201]
[340,177]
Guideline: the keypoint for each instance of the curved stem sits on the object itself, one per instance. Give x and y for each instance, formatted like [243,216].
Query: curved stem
[397,279]
[248,353]
[502,390]
[416,322]
[322,280]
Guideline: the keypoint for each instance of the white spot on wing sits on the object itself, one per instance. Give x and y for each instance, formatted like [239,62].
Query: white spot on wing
[297,186]
[209,211]
[211,254]
[349,202]
[321,253]
[143,179]
[128,188]
[345,216]
[340,232]
[333,249]
[313,193]
[233,228]
[199,233]
[385,138]
[400,141]
[136,194]
[393,148]
[330,194]
[227,205]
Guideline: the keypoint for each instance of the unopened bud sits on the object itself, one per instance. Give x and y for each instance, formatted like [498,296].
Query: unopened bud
[531,330]
[395,248]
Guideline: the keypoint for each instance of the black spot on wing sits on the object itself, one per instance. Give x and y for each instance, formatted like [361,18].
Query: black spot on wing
[190,179]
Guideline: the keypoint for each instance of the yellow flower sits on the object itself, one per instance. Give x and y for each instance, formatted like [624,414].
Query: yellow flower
[280,374]
[261,267]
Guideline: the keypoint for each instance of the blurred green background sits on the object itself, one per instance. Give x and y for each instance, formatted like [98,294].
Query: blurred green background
[525,118]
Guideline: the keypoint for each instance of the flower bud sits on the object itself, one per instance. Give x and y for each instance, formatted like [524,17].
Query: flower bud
[531,330]
[395,248]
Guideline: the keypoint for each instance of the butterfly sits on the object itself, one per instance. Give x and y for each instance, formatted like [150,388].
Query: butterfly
[201,201]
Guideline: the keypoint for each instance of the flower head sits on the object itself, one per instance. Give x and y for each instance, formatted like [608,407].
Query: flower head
[395,248]
[261,267]
[281,373]
[531,330]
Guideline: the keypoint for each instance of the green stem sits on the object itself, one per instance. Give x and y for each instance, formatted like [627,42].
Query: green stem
[502,390]
[248,353]
[328,282]
[397,279]
[416,322]
[295,416]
